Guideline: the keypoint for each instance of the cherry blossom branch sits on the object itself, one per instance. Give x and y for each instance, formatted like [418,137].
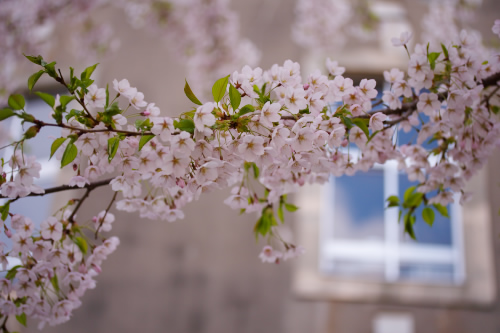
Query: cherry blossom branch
[85,130]
[61,188]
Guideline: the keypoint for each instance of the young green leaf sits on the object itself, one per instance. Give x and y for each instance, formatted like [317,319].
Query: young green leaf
[55,145]
[88,72]
[246,109]
[219,88]
[55,282]
[189,93]
[47,98]
[432,59]
[441,209]
[255,170]
[280,212]
[65,99]
[82,244]
[36,60]
[185,125]
[361,123]
[409,222]
[144,139]
[4,211]
[21,319]
[34,78]
[113,144]
[393,201]
[445,51]
[291,208]
[69,154]
[234,97]
[16,102]
[428,216]
[6,113]
[11,274]
[408,192]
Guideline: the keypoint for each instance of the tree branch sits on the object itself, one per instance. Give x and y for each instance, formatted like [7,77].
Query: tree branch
[61,188]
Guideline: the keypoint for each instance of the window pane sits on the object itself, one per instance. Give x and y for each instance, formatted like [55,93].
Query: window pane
[359,206]
[427,272]
[358,269]
[439,233]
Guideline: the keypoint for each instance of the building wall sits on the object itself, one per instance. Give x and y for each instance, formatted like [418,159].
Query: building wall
[202,274]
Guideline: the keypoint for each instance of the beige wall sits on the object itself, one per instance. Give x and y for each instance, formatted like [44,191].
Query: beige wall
[202,274]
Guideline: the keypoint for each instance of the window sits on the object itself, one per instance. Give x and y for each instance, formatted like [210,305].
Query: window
[362,239]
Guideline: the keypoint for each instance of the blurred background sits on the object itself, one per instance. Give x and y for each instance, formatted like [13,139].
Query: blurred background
[359,273]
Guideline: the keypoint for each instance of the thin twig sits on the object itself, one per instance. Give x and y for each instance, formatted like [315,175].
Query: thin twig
[71,218]
[105,214]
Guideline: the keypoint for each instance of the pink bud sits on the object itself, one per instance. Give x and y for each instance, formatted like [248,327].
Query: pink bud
[344,143]
[82,268]
[96,268]
[8,233]
[306,86]
[94,219]
[75,166]
[181,183]
[145,113]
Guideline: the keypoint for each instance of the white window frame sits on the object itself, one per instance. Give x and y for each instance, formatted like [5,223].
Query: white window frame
[390,251]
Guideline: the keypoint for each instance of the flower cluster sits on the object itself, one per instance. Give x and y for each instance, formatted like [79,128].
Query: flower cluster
[272,126]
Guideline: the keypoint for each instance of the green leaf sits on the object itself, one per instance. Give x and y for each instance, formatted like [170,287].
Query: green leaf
[409,222]
[34,78]
[280,212]
[291,208]
[113,109]
[441,209]
[6,113]
[234,97]
[16,102]
[414,200]
[55,282]
[50,69]
[88,72]
[144,139]
[445,51]
[393,201]
[362,123]
[255,170]
[266,222]
[428,215]
[4,210]
[47,98]
[185,125]
[65,99]
[246,109]
[432,58]
[82,244]
[408,192]
[12,272]
[107,96]
[21,319]
[55,145]
[189,93]
[31,132]
[113,144]
[69,154]
[219,88]
[36,60]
